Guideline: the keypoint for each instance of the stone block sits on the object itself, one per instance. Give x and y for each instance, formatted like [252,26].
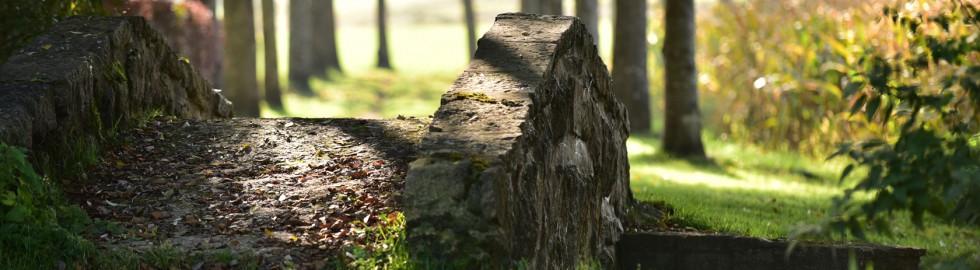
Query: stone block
[725,252]
[525,160]
[88,75]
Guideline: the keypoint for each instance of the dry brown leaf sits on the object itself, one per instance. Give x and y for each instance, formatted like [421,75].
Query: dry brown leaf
[159,214]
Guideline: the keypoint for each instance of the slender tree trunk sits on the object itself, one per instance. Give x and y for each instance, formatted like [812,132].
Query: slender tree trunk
[588,12]
[215,78]
[682,129]
[240,83]
[325,57]
[532,6]
[551,7]
[273,95]
[383,61]
[629,71]
[300,46]
[470,26]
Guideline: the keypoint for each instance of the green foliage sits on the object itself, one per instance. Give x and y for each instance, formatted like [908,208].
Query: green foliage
[771,70]
[26,19]
[22,199]
[927,96]
[36,229]
[385,248]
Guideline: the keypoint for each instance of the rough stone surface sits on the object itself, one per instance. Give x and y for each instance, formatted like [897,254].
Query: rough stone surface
[723,252]
[525,160]
[88,75]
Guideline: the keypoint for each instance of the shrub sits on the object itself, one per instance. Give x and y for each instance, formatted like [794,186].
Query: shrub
[773,72]
[929,93]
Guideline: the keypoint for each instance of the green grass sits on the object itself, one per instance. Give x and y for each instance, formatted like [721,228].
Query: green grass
[374,94]
[747,191]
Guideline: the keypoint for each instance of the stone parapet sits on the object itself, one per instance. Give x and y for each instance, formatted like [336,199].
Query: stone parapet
[89,75]
[525,160]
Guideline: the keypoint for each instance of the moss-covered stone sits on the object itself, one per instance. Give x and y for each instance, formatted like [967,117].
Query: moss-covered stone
[542,180]
[481,97]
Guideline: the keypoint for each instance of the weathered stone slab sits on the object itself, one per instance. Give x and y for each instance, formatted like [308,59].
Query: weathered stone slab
[88,75]
[525,160]
[725,252]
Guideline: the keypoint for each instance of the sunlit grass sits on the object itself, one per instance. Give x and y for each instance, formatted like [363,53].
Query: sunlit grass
[747,191]
[376,94]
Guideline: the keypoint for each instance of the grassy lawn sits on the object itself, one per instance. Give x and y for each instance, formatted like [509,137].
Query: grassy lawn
[748,191]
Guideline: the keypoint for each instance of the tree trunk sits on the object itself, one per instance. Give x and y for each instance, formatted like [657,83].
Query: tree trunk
[588,12]
[383,61]
[215,79]
[682,129]
[629,72]
[470,26]
[300,46]
[240,83]
[551,7]
[532,6]
[325,57]
[273,96]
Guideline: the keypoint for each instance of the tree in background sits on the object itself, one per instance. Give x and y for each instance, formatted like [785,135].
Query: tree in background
[273,95]
[325,57]
[531,6]
[216,46]
[588,12]
[552,7]
[241,87]
[300,46]
[682,127]
[629,72]
[470,26]
[383,61]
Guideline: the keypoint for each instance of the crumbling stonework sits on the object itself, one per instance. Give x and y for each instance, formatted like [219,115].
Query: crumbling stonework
[88,75]
[525,161]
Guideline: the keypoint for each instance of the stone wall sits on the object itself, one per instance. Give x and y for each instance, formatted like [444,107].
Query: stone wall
[525,160]
[725,252]
[89,75]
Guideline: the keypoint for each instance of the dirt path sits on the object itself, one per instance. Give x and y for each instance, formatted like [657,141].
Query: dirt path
[286,189]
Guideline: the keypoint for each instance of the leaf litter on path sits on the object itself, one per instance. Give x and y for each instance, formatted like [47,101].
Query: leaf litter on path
[282,188]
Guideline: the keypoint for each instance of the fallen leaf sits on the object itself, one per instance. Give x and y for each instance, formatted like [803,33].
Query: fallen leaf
[268,232]
[159,214]
[293,238]
[46,47]
[235,243]
[159,181]
[192,220]
[120,163]
[358,174]
[378,163]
